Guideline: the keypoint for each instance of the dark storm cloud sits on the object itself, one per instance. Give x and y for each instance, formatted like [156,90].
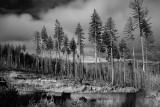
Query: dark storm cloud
[32,7]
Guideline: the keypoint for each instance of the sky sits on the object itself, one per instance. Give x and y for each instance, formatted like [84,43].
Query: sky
[19,19]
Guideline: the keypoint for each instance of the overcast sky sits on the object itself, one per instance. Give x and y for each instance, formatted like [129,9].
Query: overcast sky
[20,18]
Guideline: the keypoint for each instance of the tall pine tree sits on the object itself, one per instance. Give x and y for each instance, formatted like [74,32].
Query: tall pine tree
[73,47]
[139,13]
[124,53]
[80,43]
[58,36]
[111,31]
[37,41]
[65,49]
[128,31]
[95,30]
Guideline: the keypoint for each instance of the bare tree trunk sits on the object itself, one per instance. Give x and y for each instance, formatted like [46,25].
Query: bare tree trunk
[146,58]
[8,57]
[158,66]
[112,59]
[120,70]
[100,72]
[96,77]
[108,65]
[96,55]
[83,66]
[37,63]
[55,71]
[134,63]
[11,60]
[73,72]
[137,72]
[146,67]
[124,72]
[65,67]
[69,73]
[143,61]
[24,61]
[112,66]
[50,62]
[19,60]
[58,48]
[43,63]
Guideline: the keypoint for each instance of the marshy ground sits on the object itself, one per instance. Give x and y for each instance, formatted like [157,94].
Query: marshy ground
[37,91]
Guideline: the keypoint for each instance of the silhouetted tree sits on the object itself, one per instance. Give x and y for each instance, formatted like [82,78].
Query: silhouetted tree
[148,39]
[44,42]
[73,50]
[24,50]
[95,29]
[37,41]
[80,43]
[58,36]
[111,31]
[65,49]
[128,31]
[50,49]
[139,14]
[124,53]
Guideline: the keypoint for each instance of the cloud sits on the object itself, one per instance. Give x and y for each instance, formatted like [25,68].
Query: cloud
[32,7]
[15,28]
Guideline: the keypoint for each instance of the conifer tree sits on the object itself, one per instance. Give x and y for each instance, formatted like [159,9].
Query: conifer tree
[37,41]
[65,49]
[44,42]
[19,49]
[80,44]
[44,35]
[58,36]
[24,50]
[50,45]
[73,47]
[111,32]
[50,49]
[148,39]
[139,13]
[128,31]
[95,30]
[124,53]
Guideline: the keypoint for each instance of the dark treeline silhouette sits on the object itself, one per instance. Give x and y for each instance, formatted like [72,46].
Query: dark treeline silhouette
[15,57]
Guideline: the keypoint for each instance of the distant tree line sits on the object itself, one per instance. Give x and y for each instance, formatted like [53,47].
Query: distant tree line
[15,57]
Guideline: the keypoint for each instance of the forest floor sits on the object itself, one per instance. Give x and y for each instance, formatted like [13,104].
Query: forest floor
[27,83]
